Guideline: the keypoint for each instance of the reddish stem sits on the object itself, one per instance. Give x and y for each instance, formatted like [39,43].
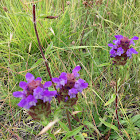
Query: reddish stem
[68,117]
[46,63]
[116,101]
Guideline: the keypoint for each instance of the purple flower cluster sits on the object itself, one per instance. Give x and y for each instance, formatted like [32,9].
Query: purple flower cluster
[121,47]
[68,84]
[33,91]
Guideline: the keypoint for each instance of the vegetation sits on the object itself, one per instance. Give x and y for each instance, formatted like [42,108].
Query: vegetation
[77,34]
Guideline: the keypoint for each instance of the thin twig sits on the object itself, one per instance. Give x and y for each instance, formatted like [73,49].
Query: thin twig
[40,47]
[116,101]
[68,117]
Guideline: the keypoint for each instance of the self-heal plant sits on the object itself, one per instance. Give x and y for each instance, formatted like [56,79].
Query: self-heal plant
[69,87]
[121,50]
[35,96]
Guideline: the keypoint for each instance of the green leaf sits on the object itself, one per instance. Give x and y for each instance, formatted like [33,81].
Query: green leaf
[51,135]
[89,124]
[58,113]
[104,64]
[98,95]
[39,61]
[135,118]
[49,48]
[63,126]
[79,137]
[108,124]
[111,100]
[72,133]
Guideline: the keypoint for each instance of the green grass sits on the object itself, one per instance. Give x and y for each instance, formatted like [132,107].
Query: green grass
[80,37]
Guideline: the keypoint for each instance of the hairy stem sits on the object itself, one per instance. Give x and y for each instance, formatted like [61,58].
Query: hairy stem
[116,101]
[68,117]
[40,47]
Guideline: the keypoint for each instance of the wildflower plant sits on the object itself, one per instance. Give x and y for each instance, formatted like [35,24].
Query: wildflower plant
[121,51]
[35,96]
[69,87]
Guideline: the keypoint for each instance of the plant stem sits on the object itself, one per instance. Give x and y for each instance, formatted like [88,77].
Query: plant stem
[68,117]
[40,47]
[116,101]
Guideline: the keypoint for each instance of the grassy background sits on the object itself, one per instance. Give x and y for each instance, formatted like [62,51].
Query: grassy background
[79,36]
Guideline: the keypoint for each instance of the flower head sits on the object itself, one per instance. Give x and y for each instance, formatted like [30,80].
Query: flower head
[121,50]
[33,91]
[68,85]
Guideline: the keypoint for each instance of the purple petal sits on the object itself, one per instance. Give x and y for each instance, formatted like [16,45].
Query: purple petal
[47,84]
[81,81]
[55,80]
[47,96]
[23,85]
[63,82]
[133,50]
[84,85]
[38,79]
[46,99]
[110,45]
[72,93]
[46,93]
[58,86]
[66,98]
[135,38]
[118,36]
[53,93]
[22,103]
[120,51]
[114,41]
[63,76]
[76,74]
[19,94]
[113,52]
[73,90]
[72,96]
[29,77]
[80,85]
[38,93]
[76,69]
[131,42]
[31,101]
[129,53]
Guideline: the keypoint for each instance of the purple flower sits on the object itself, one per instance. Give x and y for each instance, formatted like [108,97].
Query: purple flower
[121,50]
[33,91]
[72,93]
[19,94]
[134,38]
[61,81]
[80,85]
[47,84]
[75,71]
[29,77]
[113,53]
[118,39]
[38,93]
[68,84]
[130,51]
[27,102]
[47,95]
